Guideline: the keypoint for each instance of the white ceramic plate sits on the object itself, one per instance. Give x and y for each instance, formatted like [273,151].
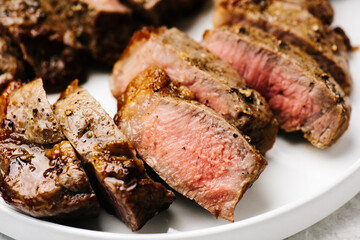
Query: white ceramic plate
[300,186]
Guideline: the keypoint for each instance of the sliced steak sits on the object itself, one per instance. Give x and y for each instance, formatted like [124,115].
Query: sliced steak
[163,12]
[191,147]
[46,43]
[11,64]
[213,81]
[110,160]
[300,94]
[293,24]
[40,172]
[103,27]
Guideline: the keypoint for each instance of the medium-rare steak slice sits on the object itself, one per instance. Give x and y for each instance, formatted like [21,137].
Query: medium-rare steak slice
[213,81]
[163,12]
[46,43]
[11,66]
[293,24]
[116,173]
[103,27]
[40,173]
[193,148]
[300,94]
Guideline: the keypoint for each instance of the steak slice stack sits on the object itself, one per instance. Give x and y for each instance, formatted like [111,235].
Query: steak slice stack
[116,173]
[190,146]
[214,82]
[293,24]
[160,12]
[46,43]
[103,27]
[301,95]
[40,172]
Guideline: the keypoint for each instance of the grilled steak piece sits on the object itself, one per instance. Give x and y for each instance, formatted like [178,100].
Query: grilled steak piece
[46,43]
[321,9]
[163,12]
[32,114]
[293,24]
[193,148]
[213,81]
[110,160]
[39,171]
[300,94]
[11,66]
[102,26]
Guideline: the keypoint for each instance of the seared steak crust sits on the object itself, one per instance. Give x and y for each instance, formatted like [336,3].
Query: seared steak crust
[192,148]
[213,81]
[103,27]
[293,24]
[32,115]
[321,9]
[110,160]
[300,94]
[45,182]
[40,173]
[46,44]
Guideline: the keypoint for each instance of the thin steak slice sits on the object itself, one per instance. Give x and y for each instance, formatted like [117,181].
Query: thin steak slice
[40,172]
[163,12]
[300,94]
[11,64]
[47,45]
[191,147]
[116,173]
[293,24]
[213,81]
[103,27]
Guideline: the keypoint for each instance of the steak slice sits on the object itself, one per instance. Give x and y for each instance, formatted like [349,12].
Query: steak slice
[40,172]
[103,27]
[117,174]
[293,24]
[163,12]
[213,81]
[46,43]
[300,94]
[11,66]
[191,147]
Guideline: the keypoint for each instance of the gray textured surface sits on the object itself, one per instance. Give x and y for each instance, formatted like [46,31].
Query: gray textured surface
[3,237]
[341,225]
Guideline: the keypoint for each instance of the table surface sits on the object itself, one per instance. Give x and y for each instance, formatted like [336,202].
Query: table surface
[342,224]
